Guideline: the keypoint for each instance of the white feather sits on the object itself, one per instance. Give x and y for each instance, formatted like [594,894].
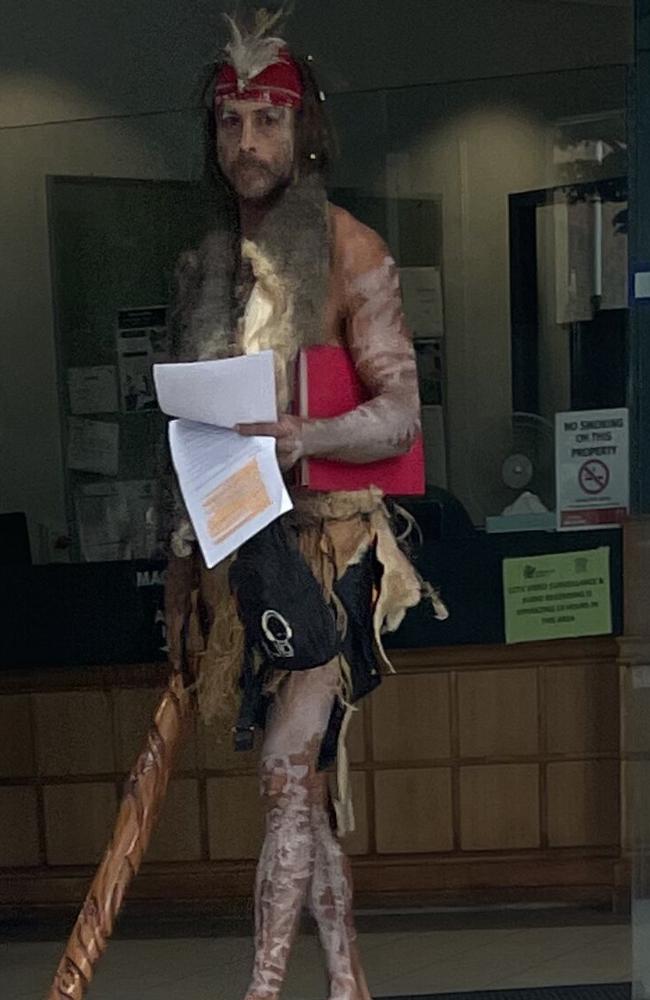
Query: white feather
[252,52]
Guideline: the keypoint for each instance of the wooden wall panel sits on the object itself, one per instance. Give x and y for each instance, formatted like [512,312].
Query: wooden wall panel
[358,843]
[19,839]
[133,711]
[178,835]
[636,777]
[636,711]
[218,752]
[78,822]
[74,733]
[498,713]
[436,771]
[16,748]
[499,807]
[581,708]
[583,803]
[235,818]
[413,811]
[357,734]
[410,718]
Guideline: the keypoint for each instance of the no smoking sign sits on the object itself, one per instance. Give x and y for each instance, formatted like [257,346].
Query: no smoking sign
[594,477]
[592,468]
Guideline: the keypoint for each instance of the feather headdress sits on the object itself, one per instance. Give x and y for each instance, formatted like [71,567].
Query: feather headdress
[252,51]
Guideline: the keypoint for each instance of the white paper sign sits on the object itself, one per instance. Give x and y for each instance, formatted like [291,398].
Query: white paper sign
[93,446]
[114,520]
[231,485]
[135,356]
[222,393]
[150,322]
[592,468]
[93,390]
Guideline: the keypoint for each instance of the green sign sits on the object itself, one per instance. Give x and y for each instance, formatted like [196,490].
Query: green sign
[558,596]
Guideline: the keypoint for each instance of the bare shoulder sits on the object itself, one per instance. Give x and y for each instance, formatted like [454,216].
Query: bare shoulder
[356,246]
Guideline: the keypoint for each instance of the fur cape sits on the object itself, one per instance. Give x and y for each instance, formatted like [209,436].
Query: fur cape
[290,260]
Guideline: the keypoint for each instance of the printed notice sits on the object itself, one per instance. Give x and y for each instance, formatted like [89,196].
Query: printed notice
[592,468]
[232,485]
[117,520]
[135,357]
[240,498]
[93,390]
[93,446]
[149,322]
[559,596]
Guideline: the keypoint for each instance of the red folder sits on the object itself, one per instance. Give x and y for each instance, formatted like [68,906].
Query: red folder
[328,385]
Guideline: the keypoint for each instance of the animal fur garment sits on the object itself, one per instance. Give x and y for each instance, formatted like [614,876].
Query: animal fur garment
[290,259]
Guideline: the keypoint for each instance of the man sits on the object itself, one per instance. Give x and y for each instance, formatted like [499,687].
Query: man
[295,273]
[293,622]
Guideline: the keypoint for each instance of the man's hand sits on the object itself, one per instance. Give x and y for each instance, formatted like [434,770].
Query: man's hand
[288,437]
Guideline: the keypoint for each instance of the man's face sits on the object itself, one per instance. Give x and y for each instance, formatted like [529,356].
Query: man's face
[255,147]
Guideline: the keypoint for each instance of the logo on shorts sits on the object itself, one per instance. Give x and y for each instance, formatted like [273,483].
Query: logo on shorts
[278,633]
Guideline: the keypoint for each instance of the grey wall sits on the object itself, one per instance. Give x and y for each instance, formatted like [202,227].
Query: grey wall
[123,57]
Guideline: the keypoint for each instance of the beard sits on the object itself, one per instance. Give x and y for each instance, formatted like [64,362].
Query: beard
[254,180]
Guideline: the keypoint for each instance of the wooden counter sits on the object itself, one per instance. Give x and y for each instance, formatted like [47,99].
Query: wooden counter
[481,773]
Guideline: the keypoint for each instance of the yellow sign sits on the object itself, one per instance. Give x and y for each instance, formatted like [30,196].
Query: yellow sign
[557,596]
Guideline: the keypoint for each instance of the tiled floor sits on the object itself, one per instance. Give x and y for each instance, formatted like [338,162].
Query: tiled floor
[398,961]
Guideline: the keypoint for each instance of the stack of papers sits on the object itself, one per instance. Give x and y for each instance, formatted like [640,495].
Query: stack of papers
[232,485]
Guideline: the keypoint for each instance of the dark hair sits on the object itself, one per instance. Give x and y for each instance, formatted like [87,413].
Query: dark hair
[315,141]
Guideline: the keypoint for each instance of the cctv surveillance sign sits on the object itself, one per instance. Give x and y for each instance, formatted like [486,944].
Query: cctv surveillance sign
[558,596]
[592,468]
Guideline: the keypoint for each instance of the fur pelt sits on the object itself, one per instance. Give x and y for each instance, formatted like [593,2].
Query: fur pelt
[291,255]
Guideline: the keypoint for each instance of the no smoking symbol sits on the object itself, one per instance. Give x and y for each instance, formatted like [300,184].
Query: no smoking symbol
[593,476]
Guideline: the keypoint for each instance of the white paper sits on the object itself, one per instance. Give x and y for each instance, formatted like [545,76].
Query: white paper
[102,518]
[576,236]
[93,446]
[149,322]
[592,468]
[423,305]
[135,356]
[116,520]
[231,485]
[222,393]
[574,259]
[93,390]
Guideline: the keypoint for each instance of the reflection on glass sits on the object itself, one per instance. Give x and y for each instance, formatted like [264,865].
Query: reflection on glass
[513,167]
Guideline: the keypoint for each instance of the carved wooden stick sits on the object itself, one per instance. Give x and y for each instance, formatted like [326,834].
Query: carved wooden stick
[143,797]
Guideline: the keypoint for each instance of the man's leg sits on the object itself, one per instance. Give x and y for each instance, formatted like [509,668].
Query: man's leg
[299,840]
[331,904]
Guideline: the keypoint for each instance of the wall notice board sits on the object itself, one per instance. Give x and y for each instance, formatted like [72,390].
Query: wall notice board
[114,244]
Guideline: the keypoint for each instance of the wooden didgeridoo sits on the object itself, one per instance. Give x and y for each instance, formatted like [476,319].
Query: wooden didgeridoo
[144,794]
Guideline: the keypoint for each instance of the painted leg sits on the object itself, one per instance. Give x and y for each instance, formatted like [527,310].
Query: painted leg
[292,788]
[331,905]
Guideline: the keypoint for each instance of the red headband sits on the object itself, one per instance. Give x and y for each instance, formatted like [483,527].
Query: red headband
[280,84]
